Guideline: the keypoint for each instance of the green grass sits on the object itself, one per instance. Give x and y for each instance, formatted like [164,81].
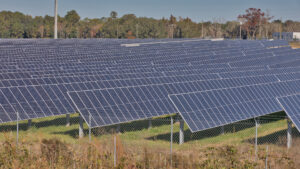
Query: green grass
[137,133]
[49,127]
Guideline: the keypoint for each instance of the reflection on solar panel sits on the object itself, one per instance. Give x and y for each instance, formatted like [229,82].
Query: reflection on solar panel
[211,83]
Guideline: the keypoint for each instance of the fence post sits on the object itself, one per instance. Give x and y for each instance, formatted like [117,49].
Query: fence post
[29,123]
[181,131]
[81,133]
[90,120]
[256,126]
[67,120]
[115,151]
[289,133]
[17,128]
[149,123]
[222,130]
[118,130]
[267,157]
[171,141]
[258,121]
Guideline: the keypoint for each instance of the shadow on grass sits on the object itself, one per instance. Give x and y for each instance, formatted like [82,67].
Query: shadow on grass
[125,127]
[189,136]
[143,125]
[40,123]
[131,127]
[277,138]
[74,133]
[230,128]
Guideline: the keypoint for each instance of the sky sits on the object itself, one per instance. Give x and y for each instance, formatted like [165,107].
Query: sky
[197,10]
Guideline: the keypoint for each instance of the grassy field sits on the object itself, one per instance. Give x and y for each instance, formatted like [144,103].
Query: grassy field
[159,134]
[140,147]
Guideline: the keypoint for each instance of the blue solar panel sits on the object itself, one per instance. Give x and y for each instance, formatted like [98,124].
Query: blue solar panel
[152,100]
[268,60]
[290,104]
[114,83]
[262,97]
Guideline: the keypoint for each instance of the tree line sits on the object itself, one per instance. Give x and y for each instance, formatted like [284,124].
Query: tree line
[255,24]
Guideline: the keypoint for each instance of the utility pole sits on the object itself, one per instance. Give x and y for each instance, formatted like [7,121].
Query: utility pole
[55,20]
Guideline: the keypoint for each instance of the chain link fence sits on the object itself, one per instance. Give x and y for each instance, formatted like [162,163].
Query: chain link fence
[156,143]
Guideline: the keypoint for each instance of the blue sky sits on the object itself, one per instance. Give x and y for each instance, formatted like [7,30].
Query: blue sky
[198,10]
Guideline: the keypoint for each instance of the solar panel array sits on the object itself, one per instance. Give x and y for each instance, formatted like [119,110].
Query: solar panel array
[209,83]
[290,105]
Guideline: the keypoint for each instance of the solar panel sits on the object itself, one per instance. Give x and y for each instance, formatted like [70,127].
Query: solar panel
[70,85]
[231,100]
[267,60]
[114,83]
[150,99]
[290,104]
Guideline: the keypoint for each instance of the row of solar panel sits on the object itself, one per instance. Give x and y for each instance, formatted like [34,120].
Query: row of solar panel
[61,90]
[139,79]
[148,58]
[277,60]
[244,102]
[24,78]
[115,101]
[28,58]
[45,53]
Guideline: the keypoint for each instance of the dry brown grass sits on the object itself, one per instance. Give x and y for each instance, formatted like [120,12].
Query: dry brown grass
[295,45]
[53,153]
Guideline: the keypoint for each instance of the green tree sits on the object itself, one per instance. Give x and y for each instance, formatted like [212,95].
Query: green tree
[113,14]
[72,19]
[18,25]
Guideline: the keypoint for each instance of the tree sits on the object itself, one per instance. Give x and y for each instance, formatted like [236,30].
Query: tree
[72,19]
[254,19]
[291,26]
[113,14]
[171,26]
[187,28]
[231,29]
[18,25]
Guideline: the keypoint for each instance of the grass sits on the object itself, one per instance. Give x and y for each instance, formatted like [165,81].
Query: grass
[50,144]
[137,132]
[50,127]
[295,44]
